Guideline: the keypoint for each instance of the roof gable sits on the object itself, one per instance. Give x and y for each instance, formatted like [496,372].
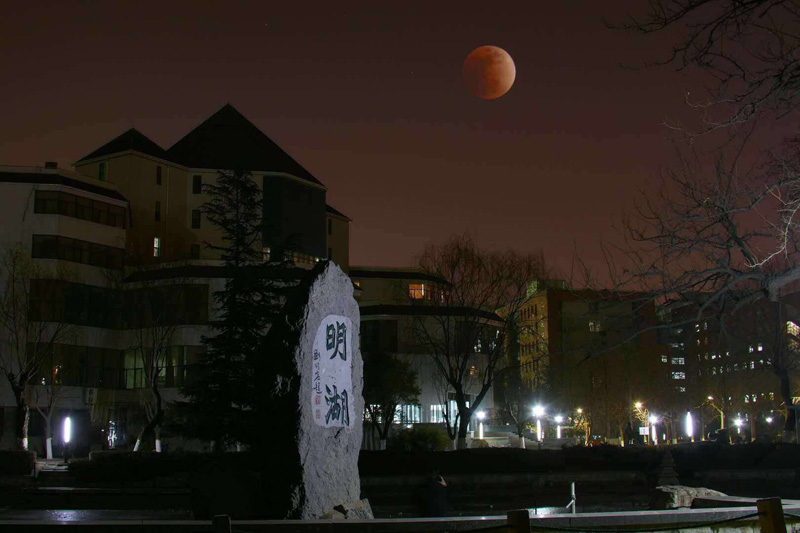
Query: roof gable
[227,140]
[132,139]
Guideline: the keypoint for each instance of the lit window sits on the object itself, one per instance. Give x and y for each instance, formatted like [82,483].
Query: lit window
[437,414]
[681,389]
[416,291]
[595,326]
[705,325]
[679,375]
[752,365]
[750,349]
[793,329]
[678,361]
[156,247]
[746,398]
[760,347]
[663,358]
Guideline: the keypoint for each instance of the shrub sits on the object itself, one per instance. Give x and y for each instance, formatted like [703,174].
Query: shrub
[17,462]
[420,438]
[478,443]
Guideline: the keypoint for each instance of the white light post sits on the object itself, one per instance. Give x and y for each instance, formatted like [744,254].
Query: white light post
[66,432]
[738,423]
[538,412]
[689,426]
[769,420]
[481,416]
[559,420]
[654,436]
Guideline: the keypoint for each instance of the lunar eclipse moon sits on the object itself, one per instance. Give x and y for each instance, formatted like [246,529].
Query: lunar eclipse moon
[489,72]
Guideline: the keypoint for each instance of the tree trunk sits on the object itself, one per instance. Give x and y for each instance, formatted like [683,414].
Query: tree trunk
[22,420]
[48,434]
[382,444]
[462,436]
[151,426]
[786,396]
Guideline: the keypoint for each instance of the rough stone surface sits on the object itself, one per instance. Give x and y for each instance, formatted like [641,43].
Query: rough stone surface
[677,496]
[326,473]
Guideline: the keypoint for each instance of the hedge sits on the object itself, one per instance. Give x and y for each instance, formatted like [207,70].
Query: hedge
[17,462]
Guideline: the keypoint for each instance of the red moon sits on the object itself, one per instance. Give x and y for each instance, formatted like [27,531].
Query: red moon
[489,72]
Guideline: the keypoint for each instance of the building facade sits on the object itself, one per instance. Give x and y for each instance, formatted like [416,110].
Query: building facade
[125,224]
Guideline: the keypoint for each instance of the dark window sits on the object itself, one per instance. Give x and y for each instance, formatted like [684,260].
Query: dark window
[194,251]
[83,208]
[46,202]
[101,172]
[100,212]
[330,253]
[55,202]
[195,218]
[158,175]
[116,216]
[197,184]
[158,211]
[330,227]
[66,204]
[76,251]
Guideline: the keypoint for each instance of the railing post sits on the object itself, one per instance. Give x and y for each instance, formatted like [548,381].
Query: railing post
[519,521]
[770,516]
[221,523]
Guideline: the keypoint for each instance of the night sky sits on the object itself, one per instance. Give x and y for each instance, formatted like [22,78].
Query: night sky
[367,96]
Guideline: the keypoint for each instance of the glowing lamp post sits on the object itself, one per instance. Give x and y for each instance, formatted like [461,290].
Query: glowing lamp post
[481,416]
[653,422]
[769,420]
[559,419]
[689,426]
[538,412]
[66,432]
[738,423]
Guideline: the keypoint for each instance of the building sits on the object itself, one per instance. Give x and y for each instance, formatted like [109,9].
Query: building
[392,301]
[581,349]
[128,221]
[729,358]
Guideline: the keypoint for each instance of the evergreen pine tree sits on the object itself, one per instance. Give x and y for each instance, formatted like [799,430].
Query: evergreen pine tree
[221,397]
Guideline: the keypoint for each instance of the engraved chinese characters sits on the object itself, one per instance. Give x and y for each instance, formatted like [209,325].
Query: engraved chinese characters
[331,387]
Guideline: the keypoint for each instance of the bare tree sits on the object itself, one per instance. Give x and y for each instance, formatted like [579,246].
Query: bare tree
[748,47]
[723,243]
[155,318]
[45,398]
[459,327]
[29,328]
[389,382]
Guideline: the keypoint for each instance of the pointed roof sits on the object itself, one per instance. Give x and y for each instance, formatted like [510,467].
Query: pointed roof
[227,140]
[132,139]
[333,211]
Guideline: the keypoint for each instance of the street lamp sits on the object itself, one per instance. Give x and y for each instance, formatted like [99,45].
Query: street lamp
[653,422]
[738,423]
[638,405]
[689,426]
[769,420]
[559,419]
[538,412]
[481,416]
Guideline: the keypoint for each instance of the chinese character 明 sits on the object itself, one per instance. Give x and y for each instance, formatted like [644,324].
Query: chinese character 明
[336,340]
[337,406]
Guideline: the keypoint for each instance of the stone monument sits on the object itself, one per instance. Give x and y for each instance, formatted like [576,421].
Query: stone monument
[313,376]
